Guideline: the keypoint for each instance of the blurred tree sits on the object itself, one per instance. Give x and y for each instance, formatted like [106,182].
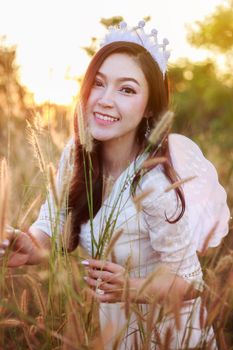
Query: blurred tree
[14,98]
[216,31]
[202,102]
[17,103]
[112,21]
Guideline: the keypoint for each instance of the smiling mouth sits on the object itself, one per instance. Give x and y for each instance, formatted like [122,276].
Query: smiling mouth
[105,117]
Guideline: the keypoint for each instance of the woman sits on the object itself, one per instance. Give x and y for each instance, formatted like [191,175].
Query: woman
[123,95]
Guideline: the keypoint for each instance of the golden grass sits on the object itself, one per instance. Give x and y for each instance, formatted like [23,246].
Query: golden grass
[161,127]
[4,192]
[47,306]
[33,140]
[52,183]
[84,134]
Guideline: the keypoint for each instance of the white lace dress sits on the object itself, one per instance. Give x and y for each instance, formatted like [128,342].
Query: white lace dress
[149,240]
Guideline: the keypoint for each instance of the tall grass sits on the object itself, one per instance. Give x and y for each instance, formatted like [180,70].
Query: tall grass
[48,306]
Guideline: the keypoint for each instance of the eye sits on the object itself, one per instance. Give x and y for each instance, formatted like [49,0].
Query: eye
[97,82]
[128,90]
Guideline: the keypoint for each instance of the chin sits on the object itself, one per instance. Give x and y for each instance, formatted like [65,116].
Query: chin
[101,136]
[102,139]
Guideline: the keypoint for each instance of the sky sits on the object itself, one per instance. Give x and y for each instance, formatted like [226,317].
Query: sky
[50,34]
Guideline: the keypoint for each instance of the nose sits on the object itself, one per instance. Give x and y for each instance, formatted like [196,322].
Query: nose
[106,98]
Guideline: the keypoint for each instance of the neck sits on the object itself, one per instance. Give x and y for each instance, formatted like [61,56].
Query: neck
[117,156]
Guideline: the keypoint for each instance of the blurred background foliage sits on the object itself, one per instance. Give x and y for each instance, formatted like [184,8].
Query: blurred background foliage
[215,33]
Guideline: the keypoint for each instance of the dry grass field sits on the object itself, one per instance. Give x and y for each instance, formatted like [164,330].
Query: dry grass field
[47,307]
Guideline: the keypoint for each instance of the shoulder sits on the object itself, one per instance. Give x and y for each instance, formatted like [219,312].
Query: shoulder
[188,159]
[180,142]
[183,147]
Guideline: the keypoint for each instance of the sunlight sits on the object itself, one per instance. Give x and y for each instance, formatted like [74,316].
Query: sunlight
[57,90]
[49,48]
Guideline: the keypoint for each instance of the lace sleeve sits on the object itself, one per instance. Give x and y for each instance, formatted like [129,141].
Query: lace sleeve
[172,241]
[51,219]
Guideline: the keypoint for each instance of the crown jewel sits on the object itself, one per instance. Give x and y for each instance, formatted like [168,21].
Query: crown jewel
[138,36]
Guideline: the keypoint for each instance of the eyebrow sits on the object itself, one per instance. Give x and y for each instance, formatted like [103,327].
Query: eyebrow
[122,79]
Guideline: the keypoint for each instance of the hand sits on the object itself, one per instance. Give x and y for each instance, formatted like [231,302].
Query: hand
[19,248]
[106,279]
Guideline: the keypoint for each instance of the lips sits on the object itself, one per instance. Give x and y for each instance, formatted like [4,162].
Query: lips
[105,118]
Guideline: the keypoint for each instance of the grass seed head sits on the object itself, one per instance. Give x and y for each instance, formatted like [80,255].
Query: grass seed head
[140,197]
[152,162]
[161,127]
[34,141]
[84,134]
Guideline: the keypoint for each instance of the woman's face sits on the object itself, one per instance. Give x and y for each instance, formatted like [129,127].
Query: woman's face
[118,99]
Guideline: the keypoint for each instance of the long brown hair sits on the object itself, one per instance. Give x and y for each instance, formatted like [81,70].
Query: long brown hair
[158,103]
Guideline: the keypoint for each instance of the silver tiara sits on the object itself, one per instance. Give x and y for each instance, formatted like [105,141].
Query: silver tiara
[137,35]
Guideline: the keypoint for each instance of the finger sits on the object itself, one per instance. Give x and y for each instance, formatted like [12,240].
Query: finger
[90,281]
[102,286]
[108,298]
[12,232]
[19,241]
[11,235]
[103,265]
[95,264]
[104,275]
[4,244]
[2,253]
[24,237]
[93,282]
[103,298]
[17,259]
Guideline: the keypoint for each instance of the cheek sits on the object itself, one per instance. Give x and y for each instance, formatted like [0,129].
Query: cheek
[137,110]
[92,100]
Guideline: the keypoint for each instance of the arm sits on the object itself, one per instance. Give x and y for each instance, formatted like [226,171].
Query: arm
[166,287]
